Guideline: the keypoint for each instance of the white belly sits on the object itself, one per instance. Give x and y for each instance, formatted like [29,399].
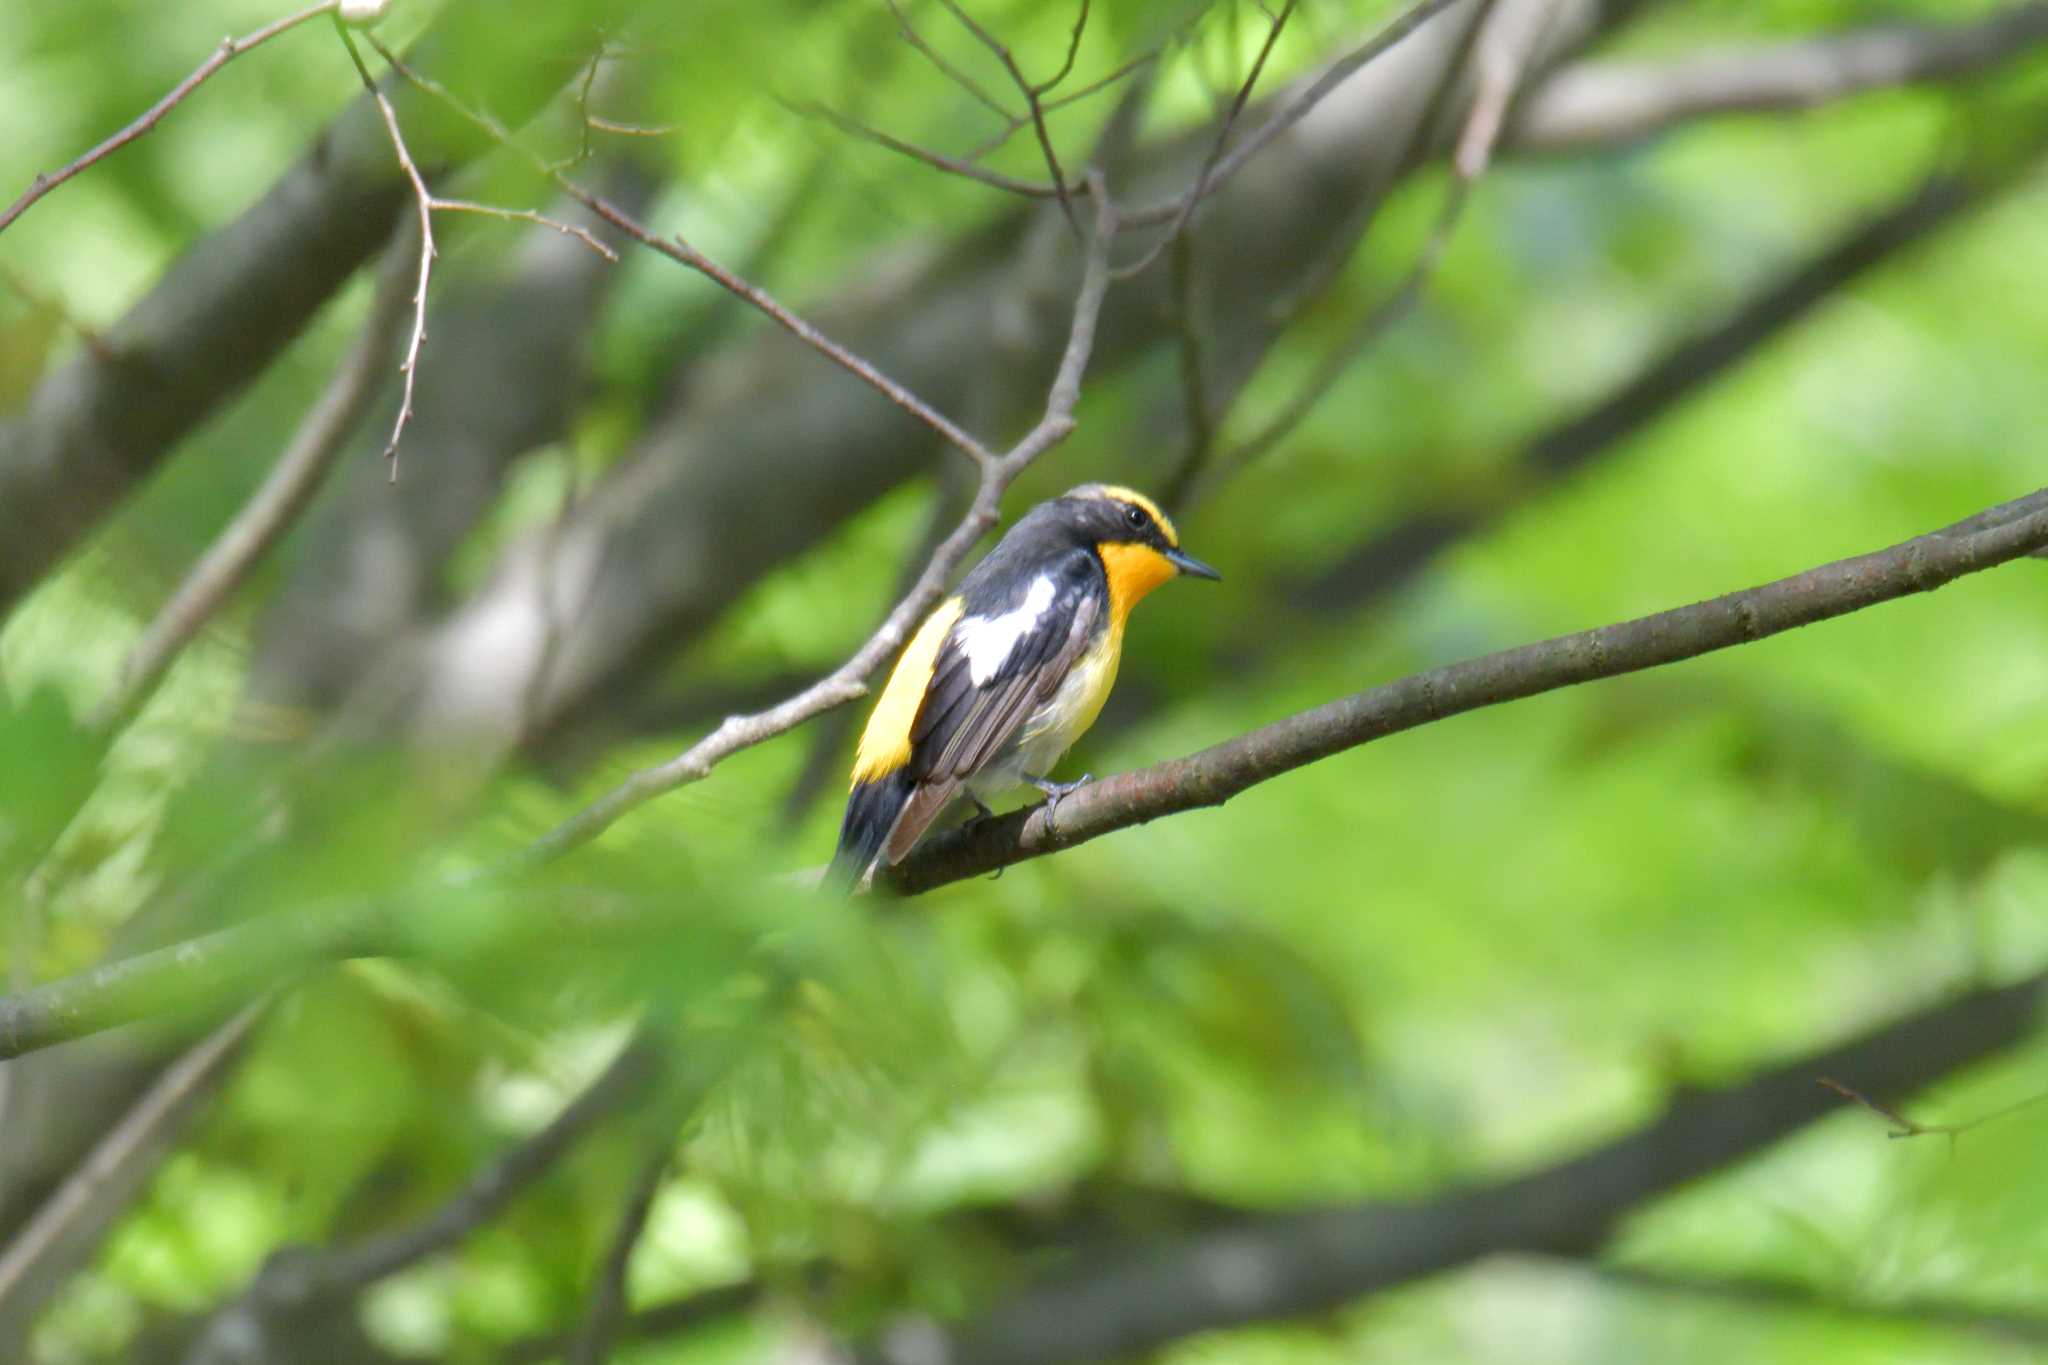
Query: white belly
[1051,730]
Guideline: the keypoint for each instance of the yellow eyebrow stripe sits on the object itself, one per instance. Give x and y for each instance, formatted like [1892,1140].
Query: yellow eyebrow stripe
[885,744]
[1137,499]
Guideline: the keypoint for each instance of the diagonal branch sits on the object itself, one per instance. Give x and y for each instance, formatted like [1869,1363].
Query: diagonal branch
[1596,102]
[297,1284]
[1122,1302]
[235,963]
[1214,775]
[229,49]
[273,507]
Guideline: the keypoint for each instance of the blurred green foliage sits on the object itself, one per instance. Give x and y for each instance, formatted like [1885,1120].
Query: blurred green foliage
[1448,956]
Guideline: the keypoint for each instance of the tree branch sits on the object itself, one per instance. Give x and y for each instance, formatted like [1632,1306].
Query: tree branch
[1598,102]
[234,963]
[1125,1301]
[297,1283]
[273,507]
[229,49]
[1214,775]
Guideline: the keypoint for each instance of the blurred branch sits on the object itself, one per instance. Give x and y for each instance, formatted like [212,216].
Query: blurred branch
[1388,558]
[1757,1291]
[299,1283]
[1594,102]
[1214,775]
[229,49]
[273,507]
[601,1321]
[1120,1302]
[67,1227]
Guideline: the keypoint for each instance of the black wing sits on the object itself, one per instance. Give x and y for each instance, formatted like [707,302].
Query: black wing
[963,724]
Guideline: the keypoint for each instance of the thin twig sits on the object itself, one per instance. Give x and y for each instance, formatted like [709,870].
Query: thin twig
[273,507]
[1032,101]
[1368,330]
[946,68]
[425,199]
[680,251]
[1292,111]
[1903,1127]
[229,49]
[1199,190]
[583,235]
[964,167]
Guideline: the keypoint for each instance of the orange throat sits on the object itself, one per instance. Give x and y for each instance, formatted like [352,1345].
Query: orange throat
[1134,570]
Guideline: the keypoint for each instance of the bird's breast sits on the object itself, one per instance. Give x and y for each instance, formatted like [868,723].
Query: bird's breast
[1052,729]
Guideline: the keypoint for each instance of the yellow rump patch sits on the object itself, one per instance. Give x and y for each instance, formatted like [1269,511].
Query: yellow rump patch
[1134,570]
[885,744]
[1137,499]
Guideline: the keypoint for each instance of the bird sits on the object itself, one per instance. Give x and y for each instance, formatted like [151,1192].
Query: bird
[1004,675]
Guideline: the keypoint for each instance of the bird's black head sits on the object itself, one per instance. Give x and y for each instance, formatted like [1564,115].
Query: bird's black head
[1139,546]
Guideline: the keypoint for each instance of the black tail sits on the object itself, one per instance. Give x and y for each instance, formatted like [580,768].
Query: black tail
[871,812]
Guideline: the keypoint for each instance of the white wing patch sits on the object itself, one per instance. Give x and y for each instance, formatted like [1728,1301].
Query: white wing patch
[987,641]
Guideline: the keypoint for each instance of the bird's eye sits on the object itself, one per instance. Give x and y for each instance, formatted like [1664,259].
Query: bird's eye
[1134,517]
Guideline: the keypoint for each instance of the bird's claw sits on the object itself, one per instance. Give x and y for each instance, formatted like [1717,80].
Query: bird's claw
[1056,792]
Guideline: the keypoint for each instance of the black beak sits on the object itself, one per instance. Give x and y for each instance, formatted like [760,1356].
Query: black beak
[1188,564]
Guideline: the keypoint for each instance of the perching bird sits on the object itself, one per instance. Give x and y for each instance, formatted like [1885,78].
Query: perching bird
[1006,674]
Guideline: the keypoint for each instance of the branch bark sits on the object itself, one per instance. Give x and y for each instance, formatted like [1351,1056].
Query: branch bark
[1214,775]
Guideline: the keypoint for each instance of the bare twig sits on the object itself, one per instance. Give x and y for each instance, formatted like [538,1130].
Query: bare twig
[1199,190]
[274,506]
[1292,110]
[939,161]
[680,251]
[1014,124]
[229,49]
[945,68]
[583,235]
[1903,1127]
[1368,330]
[1032,96]
[425,200]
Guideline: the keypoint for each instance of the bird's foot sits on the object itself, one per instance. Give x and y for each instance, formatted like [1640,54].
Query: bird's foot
[1056,792]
